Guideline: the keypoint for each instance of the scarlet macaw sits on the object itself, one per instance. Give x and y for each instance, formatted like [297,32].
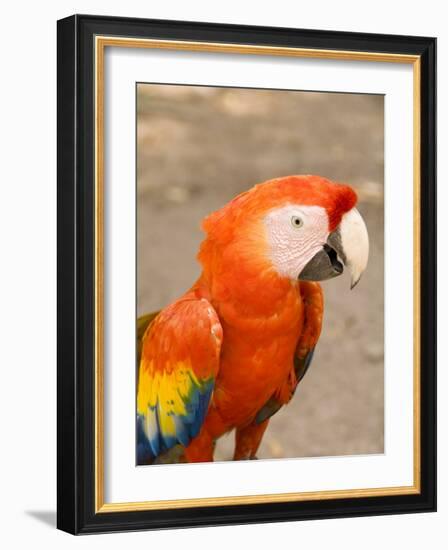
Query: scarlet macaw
[231,351]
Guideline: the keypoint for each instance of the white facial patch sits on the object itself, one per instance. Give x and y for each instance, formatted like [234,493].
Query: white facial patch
[295,234]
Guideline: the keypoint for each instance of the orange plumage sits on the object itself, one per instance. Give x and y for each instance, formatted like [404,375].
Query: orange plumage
[232,350]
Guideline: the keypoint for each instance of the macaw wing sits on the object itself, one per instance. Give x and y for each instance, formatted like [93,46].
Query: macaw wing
[178,366]
[143,323]
[312,297]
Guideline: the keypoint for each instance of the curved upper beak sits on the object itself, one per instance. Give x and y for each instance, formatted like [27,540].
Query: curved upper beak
[347,245]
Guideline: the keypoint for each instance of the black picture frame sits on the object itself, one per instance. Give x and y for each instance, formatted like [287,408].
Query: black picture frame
[76,255]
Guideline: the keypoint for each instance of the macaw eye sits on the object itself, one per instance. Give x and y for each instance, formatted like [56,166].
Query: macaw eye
[296,221]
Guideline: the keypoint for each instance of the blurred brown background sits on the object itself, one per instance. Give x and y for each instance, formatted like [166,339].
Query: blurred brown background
[198,147]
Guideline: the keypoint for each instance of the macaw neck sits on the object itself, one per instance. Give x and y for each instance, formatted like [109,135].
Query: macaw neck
[245,285]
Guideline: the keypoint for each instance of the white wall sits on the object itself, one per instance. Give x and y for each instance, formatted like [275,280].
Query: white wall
[27,270]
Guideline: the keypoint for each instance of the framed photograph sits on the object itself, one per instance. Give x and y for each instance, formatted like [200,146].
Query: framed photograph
[246,274]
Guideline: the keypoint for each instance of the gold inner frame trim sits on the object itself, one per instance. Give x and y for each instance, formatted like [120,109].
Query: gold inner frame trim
[101,42]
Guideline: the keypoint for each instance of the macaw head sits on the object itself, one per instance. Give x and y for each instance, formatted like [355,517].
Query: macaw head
[304,227]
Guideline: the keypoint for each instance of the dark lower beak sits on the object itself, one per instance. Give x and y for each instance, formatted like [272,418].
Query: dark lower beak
[322,266]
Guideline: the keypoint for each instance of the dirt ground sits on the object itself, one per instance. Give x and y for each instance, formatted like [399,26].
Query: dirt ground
[199,147]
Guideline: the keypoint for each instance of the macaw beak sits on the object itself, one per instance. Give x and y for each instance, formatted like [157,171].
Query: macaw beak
[347,245]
